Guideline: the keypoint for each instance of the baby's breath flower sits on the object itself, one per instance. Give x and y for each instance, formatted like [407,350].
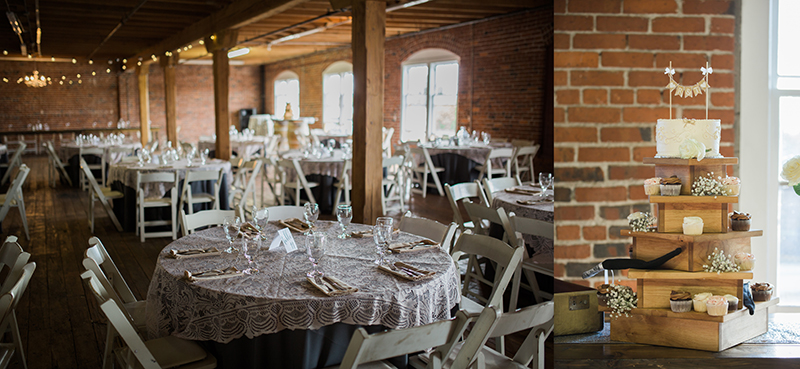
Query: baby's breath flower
[641,222]
[621,300]
[718,263]
[709,186]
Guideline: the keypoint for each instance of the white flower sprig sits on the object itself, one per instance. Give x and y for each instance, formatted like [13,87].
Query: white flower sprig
[641,222]
[709,186]
[621,300]
[718,263]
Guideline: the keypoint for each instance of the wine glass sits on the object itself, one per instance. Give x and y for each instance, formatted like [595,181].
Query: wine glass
[260,218]
[311,213]
[344,214]
[382,235]
[231,227]
[315,248]
[249,250]
[204,157]
[545,180]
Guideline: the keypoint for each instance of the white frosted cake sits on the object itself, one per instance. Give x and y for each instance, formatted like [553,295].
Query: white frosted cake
[670,133]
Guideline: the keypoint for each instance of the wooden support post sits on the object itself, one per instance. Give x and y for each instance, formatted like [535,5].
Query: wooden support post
[144,102]
[369,34]
[219,44]
[168,63]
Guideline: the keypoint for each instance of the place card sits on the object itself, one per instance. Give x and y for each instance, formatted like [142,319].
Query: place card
[287,239]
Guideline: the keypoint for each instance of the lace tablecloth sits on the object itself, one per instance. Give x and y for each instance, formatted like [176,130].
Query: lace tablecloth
[326,165]
[245,149]
[540,211]
[71,149]
[280,298]
[126,173]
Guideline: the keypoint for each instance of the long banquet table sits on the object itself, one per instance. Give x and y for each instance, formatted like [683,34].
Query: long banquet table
[275,318]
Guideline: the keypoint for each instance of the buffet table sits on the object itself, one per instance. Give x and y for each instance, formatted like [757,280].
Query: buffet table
[276,318]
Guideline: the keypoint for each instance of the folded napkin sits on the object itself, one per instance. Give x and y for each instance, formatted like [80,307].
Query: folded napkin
[331,286]
[175,254]
[522,191]
[248,230]
[212,274]
[366,233]
[548,198]
[295,224]
[397,248]
[403,270]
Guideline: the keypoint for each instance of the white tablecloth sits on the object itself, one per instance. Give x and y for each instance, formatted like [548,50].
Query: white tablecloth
[244,148]
[280,298]
[71,149]
[126,173]
[326,165]
[540,211]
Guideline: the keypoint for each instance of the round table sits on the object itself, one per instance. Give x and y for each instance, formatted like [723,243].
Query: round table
[325,170]
[459,162]
[279,299]
[246,148]
[542,210]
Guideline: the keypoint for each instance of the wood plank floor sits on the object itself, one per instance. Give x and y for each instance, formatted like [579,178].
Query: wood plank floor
[60,323]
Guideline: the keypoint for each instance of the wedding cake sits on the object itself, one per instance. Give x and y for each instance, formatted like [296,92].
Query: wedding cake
[671,133]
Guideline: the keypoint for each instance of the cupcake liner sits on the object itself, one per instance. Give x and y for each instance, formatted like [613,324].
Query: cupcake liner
[670,190]
[740,224]
[653,189]
[681,306]
[762,295]
[717,310]
[733,190]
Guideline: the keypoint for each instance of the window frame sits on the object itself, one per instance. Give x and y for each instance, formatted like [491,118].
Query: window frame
[342,69]
[279,110]
[429,101]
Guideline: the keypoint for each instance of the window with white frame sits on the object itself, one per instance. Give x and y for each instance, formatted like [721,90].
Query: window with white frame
[337,97]
[430,95]
[785,104]
[287,90]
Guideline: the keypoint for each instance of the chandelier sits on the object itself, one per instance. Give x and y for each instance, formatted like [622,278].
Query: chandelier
[34,80]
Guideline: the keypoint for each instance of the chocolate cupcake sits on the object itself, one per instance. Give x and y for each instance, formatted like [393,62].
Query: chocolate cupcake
[740,221]
[602,294]
[761,291]
[680,302]
[671,186]
[733,302]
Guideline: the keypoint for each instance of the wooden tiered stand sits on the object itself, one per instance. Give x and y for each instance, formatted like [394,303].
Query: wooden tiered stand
[652,322]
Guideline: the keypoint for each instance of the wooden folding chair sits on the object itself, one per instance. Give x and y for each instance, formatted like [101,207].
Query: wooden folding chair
[14,199]
[8,306]
[343,185]
[393,184]
[104,194]
[523,161]
[57,168]
[100,154]
[460,192]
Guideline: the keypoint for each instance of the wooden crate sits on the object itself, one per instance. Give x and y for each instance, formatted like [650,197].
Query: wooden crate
[654,286]
[576,309]
[651,245]
[689,169]
[713,209]
[698,331]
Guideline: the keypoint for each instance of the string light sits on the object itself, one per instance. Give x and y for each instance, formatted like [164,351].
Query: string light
[70,81]
[5,79]
[124,67]
[30,56]
[61,83]
[91,61]
[5,52]
[190,46]
[139,63]
[52,58]
[79,75]
[93,73]
[80,82]
[108,70]
[74,61]
[202,42]
[110,62]
[124,61]
[63,77]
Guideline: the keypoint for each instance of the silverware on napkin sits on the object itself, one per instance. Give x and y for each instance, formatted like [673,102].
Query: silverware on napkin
[176,254]
[412,246]
[212,274]
[406,271]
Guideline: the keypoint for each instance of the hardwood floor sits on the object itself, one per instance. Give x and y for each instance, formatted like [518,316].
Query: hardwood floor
[60,323]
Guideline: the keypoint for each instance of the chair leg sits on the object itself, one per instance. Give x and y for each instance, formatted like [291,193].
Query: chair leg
[515,286]
[531,275]
[21,206]
[141,224]
[17,339]
[91,212]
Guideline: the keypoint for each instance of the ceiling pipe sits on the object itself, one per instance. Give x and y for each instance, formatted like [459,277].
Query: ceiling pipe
[118,26]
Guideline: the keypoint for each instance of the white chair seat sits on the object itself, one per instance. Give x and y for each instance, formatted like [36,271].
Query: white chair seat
[373,365]
[172,352]
[492,359]
[111,193]
[421,169]
[202,197]
[157,201]
[295,185]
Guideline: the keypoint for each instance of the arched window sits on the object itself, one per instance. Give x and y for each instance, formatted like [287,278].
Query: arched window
[430,94]
[337,97]
[287,90]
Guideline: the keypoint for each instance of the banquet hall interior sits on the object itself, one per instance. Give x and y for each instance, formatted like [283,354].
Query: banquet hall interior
[125,124]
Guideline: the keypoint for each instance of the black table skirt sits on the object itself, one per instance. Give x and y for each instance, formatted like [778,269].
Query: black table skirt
[457,168]
[125,208]
[325,193]
[74,168]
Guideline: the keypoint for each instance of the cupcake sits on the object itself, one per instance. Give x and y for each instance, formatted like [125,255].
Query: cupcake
[680,302]
[699,301]
[602,294]
[745,261]
[670,186]
[717,305]
[740,221]
[761,291]
[692,226]
[652,186]
[733,302]
[732,185]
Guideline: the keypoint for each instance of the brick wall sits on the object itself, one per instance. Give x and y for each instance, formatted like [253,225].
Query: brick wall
[502,75]
[609,91]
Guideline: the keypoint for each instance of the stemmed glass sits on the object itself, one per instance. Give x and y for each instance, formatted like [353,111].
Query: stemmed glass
[249,250]
[311,213]
[315,247]
[545,181]
[344,214]
[231,227]
[204,157]
[382,235]
[260,219]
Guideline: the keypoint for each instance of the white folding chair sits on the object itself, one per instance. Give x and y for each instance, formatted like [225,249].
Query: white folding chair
[189,197]
[492,323]
[343,185]
[203,218]
[15,161]
[459,192]
[271,177]
[370,348]
[12,259]
[430,229]
[8,306]
[104,194]
[144,180]
[121,154]
[421,172]
[387,141]
[483,217]
[164,352]
[285,212]
[532,264]
[523,161]
[490,186]
[496,154]
[57,169]
[393,183]
[14,199]
[239,194]
[299,183]
[100,154]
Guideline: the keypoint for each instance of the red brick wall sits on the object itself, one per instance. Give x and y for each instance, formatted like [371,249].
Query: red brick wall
[609,91]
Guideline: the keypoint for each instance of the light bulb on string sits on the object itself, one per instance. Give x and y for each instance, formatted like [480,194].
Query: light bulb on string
[61,83]
[93,73]
[124,61]
[74,61]
[110,62]
[5,79]
[63,77]
[80,82]
[124,67]
[52,58]
[139,63]
[79,75]
[108,70]
[5,52]
[91,61]
[202,42]
[190,46]
[30,56]
[70,81]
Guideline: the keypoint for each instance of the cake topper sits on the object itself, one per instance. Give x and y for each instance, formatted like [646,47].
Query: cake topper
[688,91]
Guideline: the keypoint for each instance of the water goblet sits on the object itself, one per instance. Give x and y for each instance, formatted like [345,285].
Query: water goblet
[311,213]
[261,217]
[344,214]
[545,181]
[249,251]
[315,248]
[231,227]
[204,157]
[382,235]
